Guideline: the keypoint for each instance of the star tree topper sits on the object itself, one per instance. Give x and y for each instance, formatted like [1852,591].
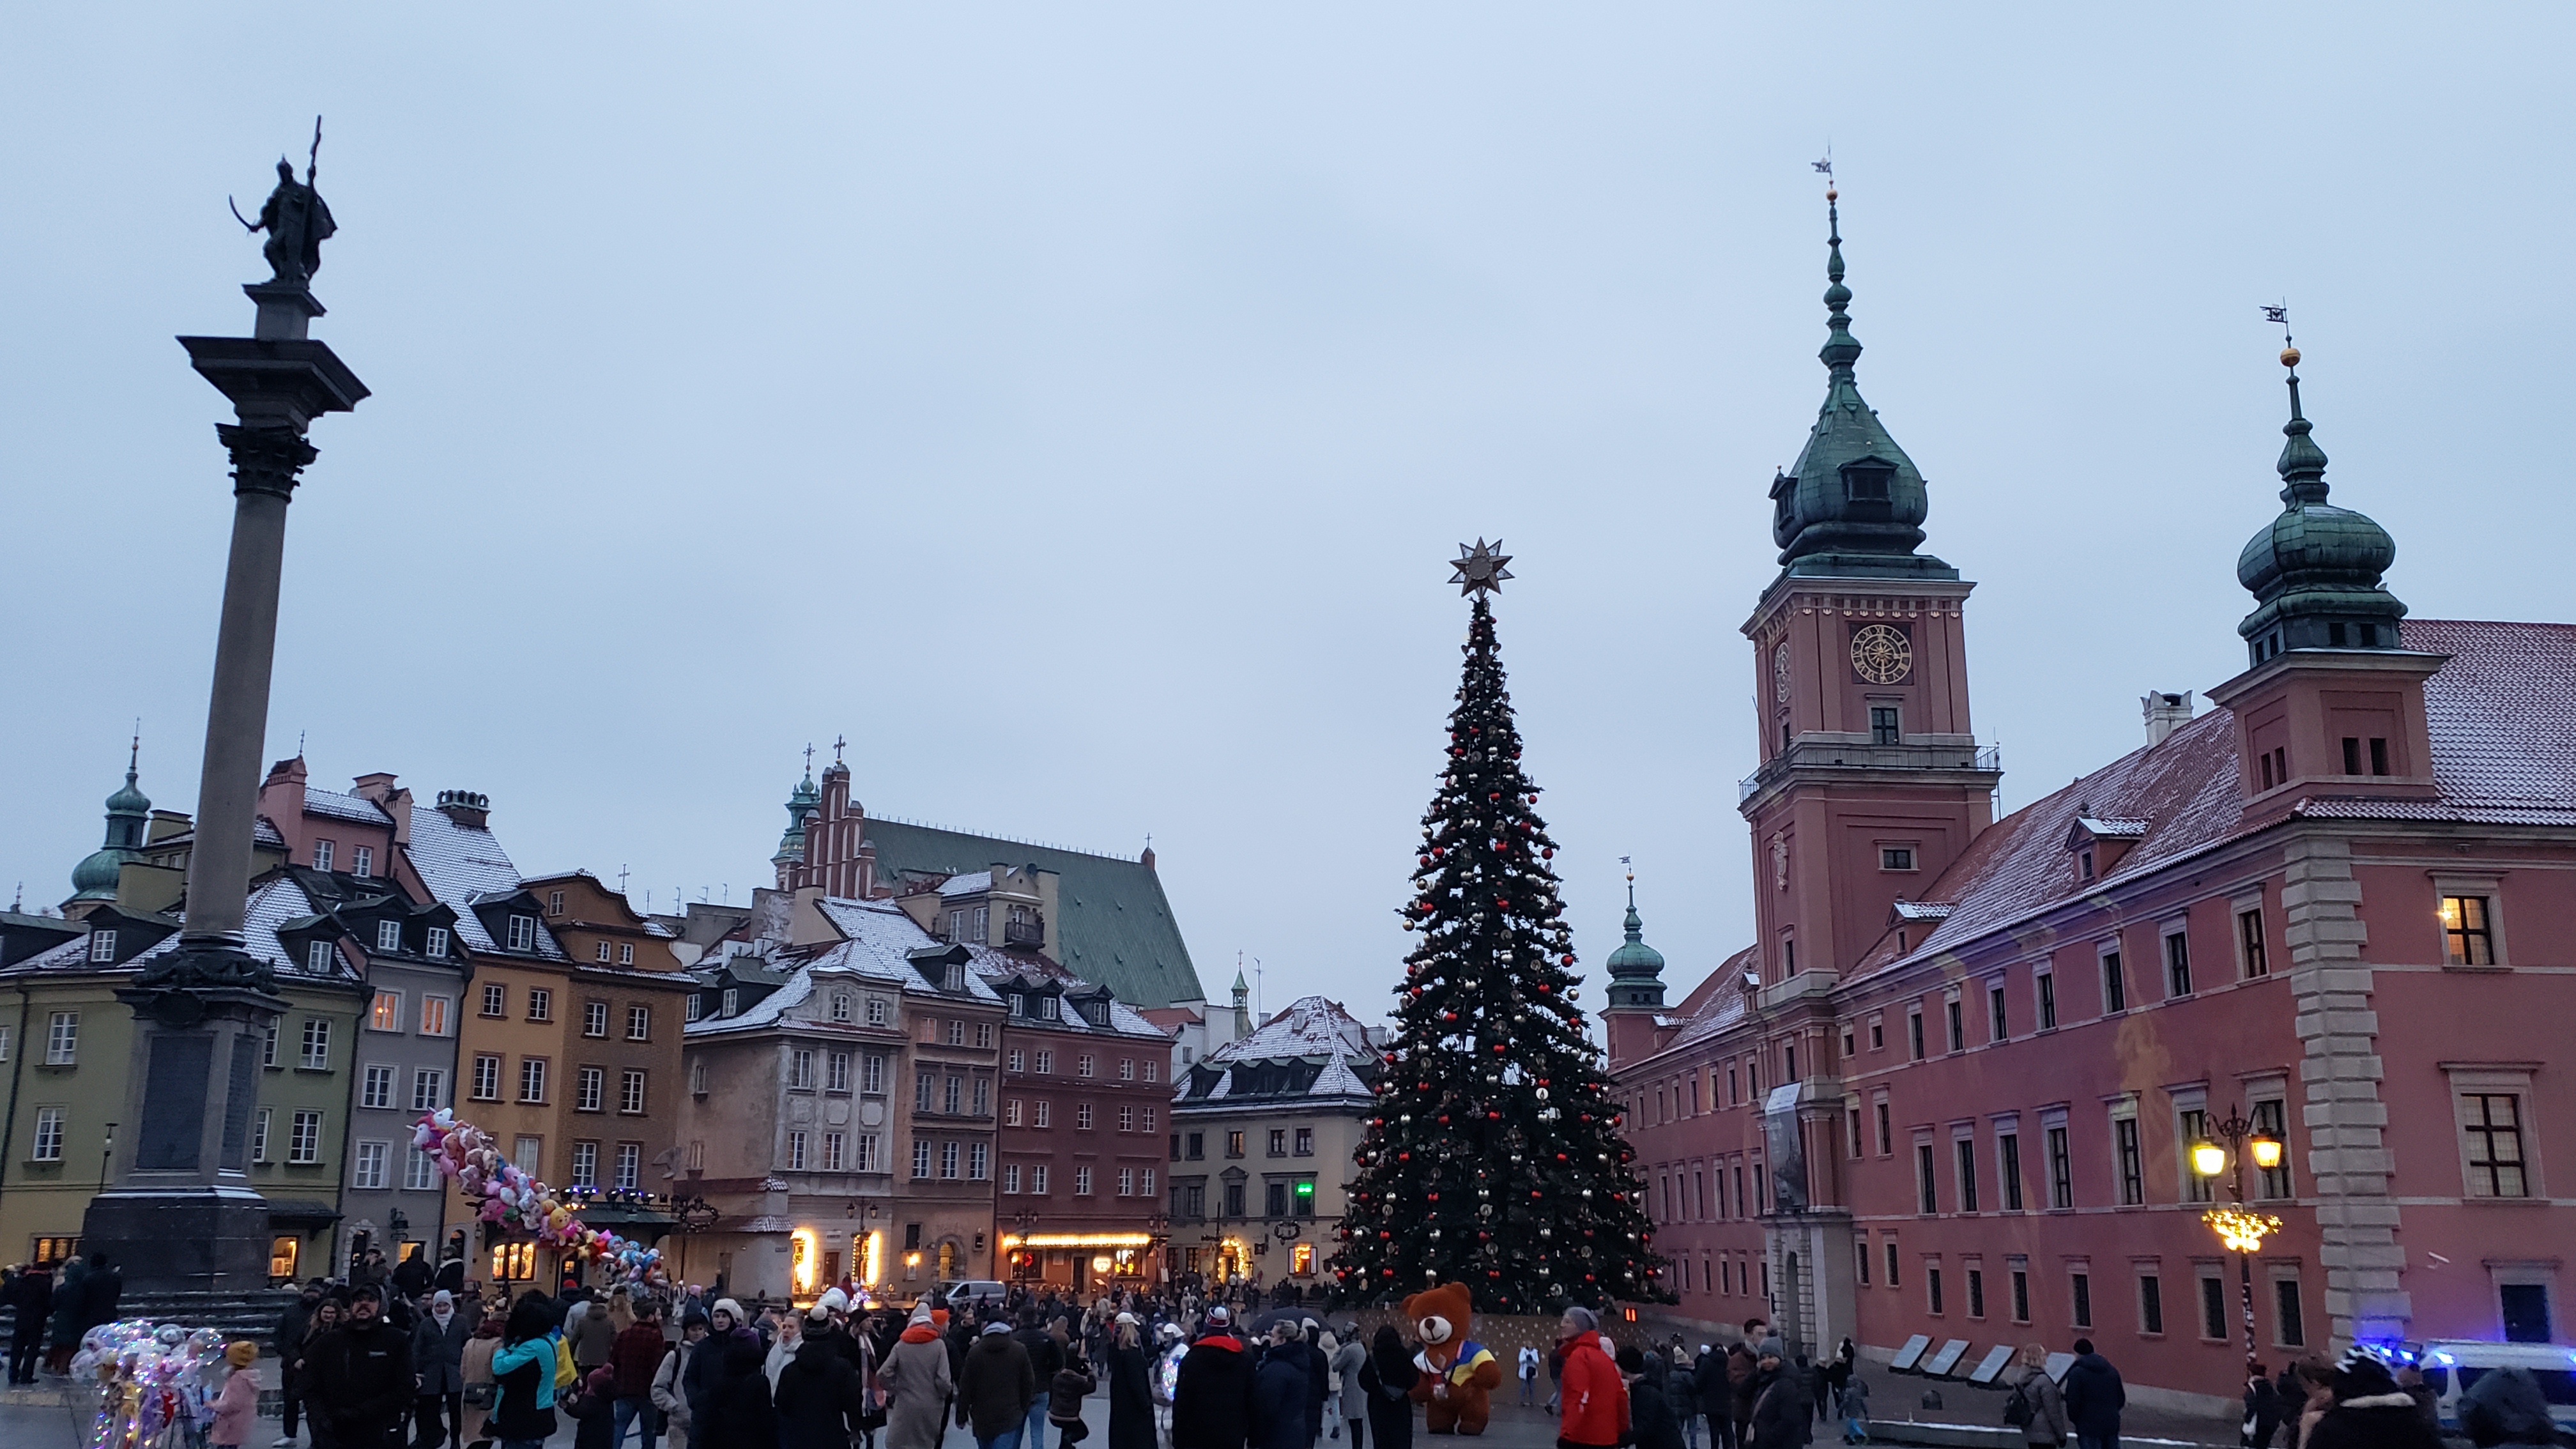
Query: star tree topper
[1480,569]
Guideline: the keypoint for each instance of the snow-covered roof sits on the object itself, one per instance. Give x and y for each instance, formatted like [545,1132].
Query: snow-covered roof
[975,884]
[462,865]
[878,943]
[332,805]
[999,967]
[273,904]
[1309,1026]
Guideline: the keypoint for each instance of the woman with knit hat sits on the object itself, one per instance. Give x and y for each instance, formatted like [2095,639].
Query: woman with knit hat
[918,1383]
[237,1406]
[2369,1410]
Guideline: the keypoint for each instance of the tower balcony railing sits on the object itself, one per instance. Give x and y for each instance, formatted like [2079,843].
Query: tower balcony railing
[1854,751]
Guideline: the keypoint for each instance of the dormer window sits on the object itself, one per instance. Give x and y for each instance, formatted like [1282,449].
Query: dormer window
[956,979]
[388,935]
[1019,1003]
[732,1001]
[317,958]
[554,903]
[436,945]
[840,1006]
[1096,1012]
[102,946]
[1050,1008]
[1867,480]
[2084,864]
[523,933]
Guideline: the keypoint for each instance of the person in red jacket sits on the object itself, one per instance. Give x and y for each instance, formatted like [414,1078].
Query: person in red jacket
[1595,1400]
[633,1358]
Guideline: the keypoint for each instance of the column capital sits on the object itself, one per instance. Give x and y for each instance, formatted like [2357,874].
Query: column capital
[265,459]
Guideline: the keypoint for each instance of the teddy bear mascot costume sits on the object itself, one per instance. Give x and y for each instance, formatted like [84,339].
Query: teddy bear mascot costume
[1459,1375]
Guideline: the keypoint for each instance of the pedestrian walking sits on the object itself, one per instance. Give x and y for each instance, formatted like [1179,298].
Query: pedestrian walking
[1743,1367]
[1716,1396]
[237,1403]
[1681,1390]
[438,1360]
[999,1388]
[1046,1355]
[1780,1400]
[1350,1407]
[1387,1377]
[474,1371]
[593,1407]
[1279,1390]
[287,1342]
[590,1335]
[820,1398]
[1525,1365]
[361,1376]
[1131,1386]
[1852,1402]
[2094,1398]
[1595,1402]
[670,1393]
[1073,1384]
[2262,1409]
[1212,1399]
[736,1412]
[2036,1406]
[2369,1410]
[917,1381]
[634,1357]
[1651,1421]
[523,1376]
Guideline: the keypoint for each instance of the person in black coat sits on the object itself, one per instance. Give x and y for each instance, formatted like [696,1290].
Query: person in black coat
[100,1291]
[1279,1394]
[1780,1401]
[31,1296]
[2370,1411]
[1212,1400]
[738,1413]
[1131,1390]
[820,1398]
[2094,1398]
[2262,1409]
[1386,1385]
[1650,1408]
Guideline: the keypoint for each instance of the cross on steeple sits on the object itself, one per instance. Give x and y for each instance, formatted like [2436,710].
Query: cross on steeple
[838,744]
[809,758]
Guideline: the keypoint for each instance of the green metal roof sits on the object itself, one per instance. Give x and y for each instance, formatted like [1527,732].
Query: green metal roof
[1114,925]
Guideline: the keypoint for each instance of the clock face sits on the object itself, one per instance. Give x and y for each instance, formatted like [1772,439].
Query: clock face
[1780,675]
[1880,654]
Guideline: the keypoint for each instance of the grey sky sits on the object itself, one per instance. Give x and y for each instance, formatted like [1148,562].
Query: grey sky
[1073,404]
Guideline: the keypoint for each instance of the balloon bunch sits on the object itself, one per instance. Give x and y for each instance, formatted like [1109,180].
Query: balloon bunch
[155,1384]
[516,1200]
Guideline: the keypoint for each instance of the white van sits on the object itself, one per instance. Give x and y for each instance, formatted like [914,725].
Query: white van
[966,1293]
[2452,1365]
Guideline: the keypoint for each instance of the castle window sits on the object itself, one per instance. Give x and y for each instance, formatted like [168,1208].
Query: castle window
[1896,857]
[1867,480]
[1882,724]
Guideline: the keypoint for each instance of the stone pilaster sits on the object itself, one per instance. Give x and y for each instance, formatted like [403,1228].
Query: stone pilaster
[2348,1164]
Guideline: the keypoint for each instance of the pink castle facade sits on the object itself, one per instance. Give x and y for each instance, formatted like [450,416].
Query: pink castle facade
[1952,1088]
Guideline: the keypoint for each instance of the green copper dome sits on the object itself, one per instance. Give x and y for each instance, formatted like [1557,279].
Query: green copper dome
[2315,570]
[1853,503]
[791,844]
[1636,969]
[129,812]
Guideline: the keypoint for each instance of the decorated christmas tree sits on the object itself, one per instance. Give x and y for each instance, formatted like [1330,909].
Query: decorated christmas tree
[1493,1156]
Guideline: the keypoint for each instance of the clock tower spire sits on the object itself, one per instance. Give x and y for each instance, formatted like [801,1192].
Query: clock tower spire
[1871,780]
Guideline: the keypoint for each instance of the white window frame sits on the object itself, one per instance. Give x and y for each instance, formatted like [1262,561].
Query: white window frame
[594,1020]
[259,1134]
[585,1164]
[388,937]
[368,1166]
[62,1039]
[589,1088]
[428,1088]
[435,946]
[2104,953]
[304,1147]
[319,958]
[920,1160]
[1010,1179]
[313,1054]
[47,1144]
[322,855]
[2179,927]
[876,1011]
[487,1090]
[376,1001]
[632,1084]
[437,1015]
[362,861]
[102,946]
[523,933]
[2489,885]
[376,1087]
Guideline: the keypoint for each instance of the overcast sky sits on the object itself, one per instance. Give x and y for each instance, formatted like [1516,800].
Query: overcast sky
[1073,405]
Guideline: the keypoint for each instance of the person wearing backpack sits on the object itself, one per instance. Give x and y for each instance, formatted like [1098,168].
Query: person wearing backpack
[2036,1405]
[1852,1402]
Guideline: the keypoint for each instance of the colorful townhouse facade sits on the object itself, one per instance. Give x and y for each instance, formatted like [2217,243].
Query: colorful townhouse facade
[1263,1132]
[1960,1092]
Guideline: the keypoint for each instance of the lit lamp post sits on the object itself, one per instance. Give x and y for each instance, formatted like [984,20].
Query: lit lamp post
[2240,1228]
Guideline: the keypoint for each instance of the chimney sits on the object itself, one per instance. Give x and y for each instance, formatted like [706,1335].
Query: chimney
[468,809]
[390,797]
[2165,713]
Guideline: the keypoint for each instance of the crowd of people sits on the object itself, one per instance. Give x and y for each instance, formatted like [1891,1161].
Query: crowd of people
[52,1307]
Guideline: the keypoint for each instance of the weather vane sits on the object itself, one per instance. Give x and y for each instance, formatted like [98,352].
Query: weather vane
[2289,349]
[1480,569]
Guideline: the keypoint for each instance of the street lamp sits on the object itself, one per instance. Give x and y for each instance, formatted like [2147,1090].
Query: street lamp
[2239,1227]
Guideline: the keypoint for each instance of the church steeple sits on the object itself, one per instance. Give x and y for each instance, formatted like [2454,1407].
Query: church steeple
[1853,504]
[791,844]
[129,814]
[2315,571]
[1636,969]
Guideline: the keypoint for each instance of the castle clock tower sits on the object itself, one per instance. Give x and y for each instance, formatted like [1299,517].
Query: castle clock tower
[1871,781]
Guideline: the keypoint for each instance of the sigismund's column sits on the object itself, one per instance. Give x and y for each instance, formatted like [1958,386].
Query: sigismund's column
[182,1215]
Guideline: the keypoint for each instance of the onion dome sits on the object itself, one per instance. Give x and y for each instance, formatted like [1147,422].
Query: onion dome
[1636,969]
[129,814]
[800,803]
[1853,503]
[2315,571]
